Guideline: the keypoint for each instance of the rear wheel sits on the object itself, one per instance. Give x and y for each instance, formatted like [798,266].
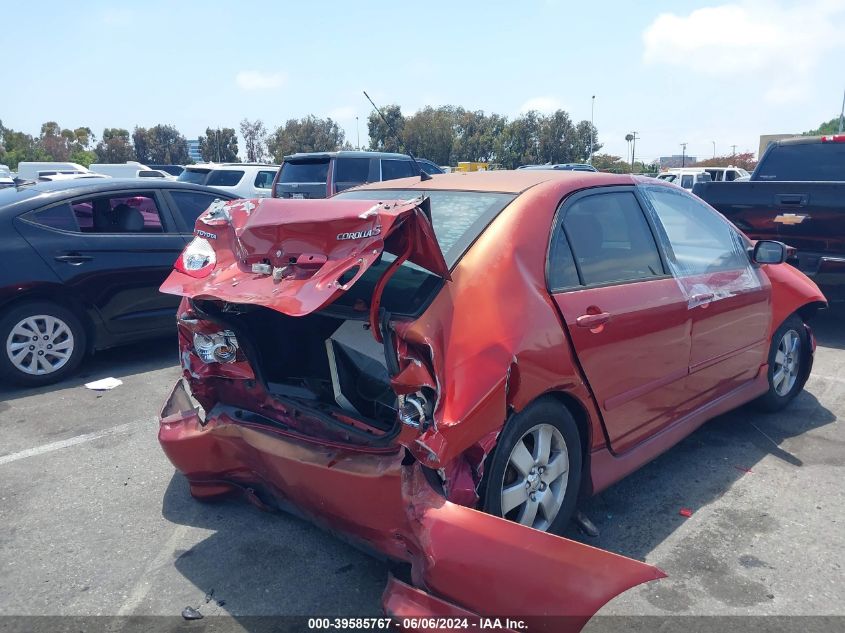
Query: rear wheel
[535,473]
[789,358]
[41,343]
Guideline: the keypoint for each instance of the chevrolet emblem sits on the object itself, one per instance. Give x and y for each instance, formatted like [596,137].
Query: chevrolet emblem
[790,218]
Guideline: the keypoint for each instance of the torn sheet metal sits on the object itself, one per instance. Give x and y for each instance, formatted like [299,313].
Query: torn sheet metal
[312,243]
[377,500]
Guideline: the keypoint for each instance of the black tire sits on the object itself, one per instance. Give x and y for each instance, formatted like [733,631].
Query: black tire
[501,473]
[75,342]
[781,394]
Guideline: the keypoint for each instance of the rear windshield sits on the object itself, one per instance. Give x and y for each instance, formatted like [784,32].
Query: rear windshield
[803,162]
[194,176]
[458,217]
[304,171]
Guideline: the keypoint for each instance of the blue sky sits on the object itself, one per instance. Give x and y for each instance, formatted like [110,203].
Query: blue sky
[693,72]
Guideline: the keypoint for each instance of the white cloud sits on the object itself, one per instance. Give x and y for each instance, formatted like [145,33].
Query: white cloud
[750,38]
[546,105]
[257,80]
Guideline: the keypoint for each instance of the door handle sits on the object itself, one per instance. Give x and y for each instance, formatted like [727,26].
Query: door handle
[792,199]
[592,320]
[702,297]
[74,259]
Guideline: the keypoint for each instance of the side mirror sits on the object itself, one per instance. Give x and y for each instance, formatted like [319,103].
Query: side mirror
[769,252]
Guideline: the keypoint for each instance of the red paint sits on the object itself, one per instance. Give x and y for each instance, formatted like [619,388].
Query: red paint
[492,341]
[685,512]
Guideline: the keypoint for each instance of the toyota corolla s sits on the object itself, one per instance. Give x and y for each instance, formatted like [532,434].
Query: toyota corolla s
[440,369]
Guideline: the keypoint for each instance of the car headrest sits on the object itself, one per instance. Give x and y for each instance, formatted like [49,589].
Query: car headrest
[128,218]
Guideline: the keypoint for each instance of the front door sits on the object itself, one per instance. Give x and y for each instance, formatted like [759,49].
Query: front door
[729,298]
[627,317]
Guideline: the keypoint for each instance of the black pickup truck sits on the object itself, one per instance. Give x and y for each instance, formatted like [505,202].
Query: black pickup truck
[795,195]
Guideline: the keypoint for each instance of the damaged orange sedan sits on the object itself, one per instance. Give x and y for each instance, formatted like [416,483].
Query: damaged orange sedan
[440,369]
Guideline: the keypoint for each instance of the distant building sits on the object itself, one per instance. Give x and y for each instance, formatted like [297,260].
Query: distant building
[194,150]
[766,139]
[677,160]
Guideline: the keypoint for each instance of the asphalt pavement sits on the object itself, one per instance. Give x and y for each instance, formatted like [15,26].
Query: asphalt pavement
[94,520]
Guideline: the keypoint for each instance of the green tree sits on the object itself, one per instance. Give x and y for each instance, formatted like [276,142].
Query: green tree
[18,146]
[430,134]
[115,146]
[255,139]
[309,134]
[160,144]
[519,142]
[219,145]
[829,127]
[381,138]
[475,135]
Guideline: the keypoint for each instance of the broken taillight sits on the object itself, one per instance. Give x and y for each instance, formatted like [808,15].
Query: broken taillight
[221,347]
[198,258]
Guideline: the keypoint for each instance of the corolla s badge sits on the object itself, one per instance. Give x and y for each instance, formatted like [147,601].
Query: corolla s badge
[357,235]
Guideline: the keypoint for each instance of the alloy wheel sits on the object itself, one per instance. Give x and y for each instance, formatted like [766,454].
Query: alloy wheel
[787,363]
[39,344]
[534,484]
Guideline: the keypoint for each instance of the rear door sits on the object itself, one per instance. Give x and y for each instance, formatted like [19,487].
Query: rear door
[303,178]
[187,206]
[729,299]
[626,316]
[113,250]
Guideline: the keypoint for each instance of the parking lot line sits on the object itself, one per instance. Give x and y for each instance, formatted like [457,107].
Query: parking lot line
[72,441]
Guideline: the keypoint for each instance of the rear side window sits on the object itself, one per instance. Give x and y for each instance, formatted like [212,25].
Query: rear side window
[190,204]
[264,179]
[802,162]
[120,213]
[194,176]
[351,171]
[56,217]
[224,177]
[611,239]
[686,181]
[299,172]
[392,169]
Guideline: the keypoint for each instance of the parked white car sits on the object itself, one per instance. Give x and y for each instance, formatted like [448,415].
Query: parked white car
[686,177]
[727,174]
[129,169]
[33,170]
[247,180]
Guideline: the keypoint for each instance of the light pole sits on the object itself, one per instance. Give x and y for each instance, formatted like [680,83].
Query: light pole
[217,134]
[592,113]
[841,113]
[683,155]
[632,138]
[714,148]
[358,132]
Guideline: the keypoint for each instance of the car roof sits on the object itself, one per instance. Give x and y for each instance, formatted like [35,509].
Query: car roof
[212,166]
[504,180]
[26,196]
[348,154]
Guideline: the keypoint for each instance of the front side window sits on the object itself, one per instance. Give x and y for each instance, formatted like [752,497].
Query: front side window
[224,178]
[700,240]
[611,239]
[120,213]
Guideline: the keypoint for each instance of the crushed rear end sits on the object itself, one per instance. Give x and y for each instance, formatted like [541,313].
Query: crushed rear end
[299,391]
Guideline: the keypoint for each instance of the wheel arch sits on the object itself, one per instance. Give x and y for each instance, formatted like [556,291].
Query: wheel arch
[61,296]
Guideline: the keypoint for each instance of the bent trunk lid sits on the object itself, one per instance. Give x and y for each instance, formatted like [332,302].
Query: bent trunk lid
[297,256]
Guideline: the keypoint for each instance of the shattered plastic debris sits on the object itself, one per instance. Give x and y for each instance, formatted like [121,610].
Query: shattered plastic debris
[685,512]
[744,469]
[189,613]
[104,384]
